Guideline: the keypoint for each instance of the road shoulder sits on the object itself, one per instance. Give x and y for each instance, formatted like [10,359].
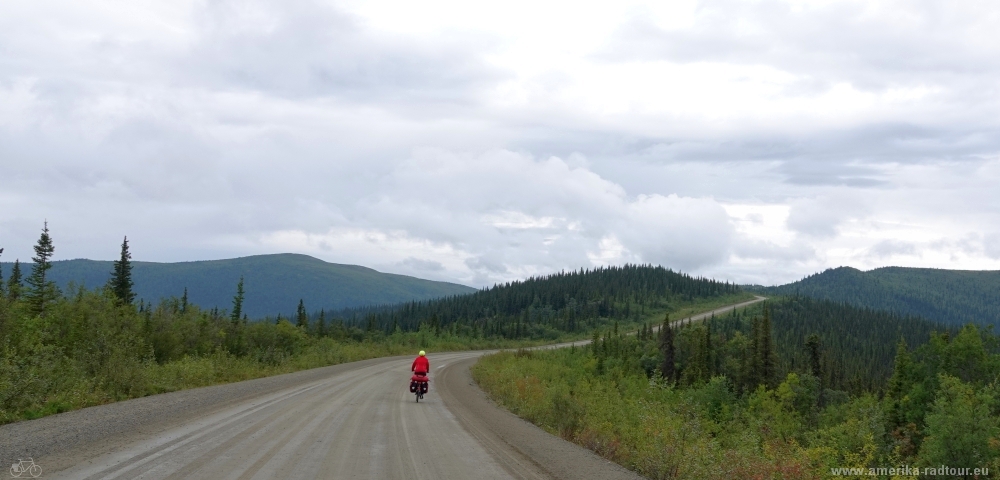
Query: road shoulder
[64,440]
[514,441]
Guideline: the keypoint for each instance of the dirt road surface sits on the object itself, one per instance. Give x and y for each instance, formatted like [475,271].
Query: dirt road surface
[355,420]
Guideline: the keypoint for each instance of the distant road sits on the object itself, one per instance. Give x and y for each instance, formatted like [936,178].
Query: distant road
[354,420]
[673,323]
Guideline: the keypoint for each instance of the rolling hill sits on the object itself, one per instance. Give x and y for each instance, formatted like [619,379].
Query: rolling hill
[274,283]
[946,296]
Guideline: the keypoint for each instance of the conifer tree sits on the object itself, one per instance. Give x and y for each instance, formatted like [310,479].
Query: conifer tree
[184,301]
[754,365]
[813,345]
[237,302]
[709,355]
[121,277]
[301,318]
[768,355]
[1,273]
[900,384]
[321,324]
[41,290]
[667,348]
[813,348]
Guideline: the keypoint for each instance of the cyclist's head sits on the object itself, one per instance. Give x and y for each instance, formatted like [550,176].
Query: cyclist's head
[422,353]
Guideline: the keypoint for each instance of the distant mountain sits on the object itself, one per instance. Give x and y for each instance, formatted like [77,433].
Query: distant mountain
[273,283]
[947,296]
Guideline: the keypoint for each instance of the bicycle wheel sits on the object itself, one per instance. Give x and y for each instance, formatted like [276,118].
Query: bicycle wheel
[35,470]
[15,471]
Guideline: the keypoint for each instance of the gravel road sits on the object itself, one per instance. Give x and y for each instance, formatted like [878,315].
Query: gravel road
[355,420]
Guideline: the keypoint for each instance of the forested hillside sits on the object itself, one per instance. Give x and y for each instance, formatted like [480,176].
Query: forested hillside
[796,388]
[274,283]
[955,297]
[543,307]
[66,348]
[856,346]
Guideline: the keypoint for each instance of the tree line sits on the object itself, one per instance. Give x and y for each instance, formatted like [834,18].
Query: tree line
[545,306]
[848,349]
[953,297]
[928,393]
[84,346]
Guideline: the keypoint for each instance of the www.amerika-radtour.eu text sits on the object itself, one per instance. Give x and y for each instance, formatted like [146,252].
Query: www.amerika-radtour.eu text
[908,470]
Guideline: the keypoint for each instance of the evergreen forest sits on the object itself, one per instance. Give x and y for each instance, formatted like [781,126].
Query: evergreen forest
[791,388]
[546,307]
[63,348]
[955,297]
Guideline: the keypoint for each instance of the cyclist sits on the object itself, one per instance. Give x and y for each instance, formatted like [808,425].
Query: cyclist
[421,365]
[418,382]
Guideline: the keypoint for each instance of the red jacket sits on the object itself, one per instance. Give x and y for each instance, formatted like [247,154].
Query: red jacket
[421,364]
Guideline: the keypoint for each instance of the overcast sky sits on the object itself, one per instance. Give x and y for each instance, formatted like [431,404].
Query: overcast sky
[479,142]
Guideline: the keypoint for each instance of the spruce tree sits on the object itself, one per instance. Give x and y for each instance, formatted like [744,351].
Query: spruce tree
[813,348]
[184,301]
[42,291]
[768,355]
[14,285]
[237,302]
[121,277]
[709,355]
[301,318]
[813,345]
[899,385]
[754,365]
[667,349]
[1,272]
[321,324]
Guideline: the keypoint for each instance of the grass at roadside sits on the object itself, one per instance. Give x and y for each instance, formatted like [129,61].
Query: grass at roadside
[658,431]
[87,350]
[811,395]
[59,386]
[644,423]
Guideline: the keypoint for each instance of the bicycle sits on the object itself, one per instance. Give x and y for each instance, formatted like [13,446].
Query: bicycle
[418,386]
[19,468]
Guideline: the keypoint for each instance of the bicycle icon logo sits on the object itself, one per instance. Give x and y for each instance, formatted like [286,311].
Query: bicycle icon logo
[32,468]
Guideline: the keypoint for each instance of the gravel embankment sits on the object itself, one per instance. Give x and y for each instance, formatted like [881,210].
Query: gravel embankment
[57,438]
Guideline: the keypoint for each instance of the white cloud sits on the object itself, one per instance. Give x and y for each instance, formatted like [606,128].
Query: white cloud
[685,233]
[478,143]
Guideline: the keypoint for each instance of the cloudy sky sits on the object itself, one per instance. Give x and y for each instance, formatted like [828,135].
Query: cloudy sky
[479,142]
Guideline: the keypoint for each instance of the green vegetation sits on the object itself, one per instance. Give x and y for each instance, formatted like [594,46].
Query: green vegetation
[955,297]
[62,349]
[789,390]
[274,283]
[545,307]
[87,349]
[121,277]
